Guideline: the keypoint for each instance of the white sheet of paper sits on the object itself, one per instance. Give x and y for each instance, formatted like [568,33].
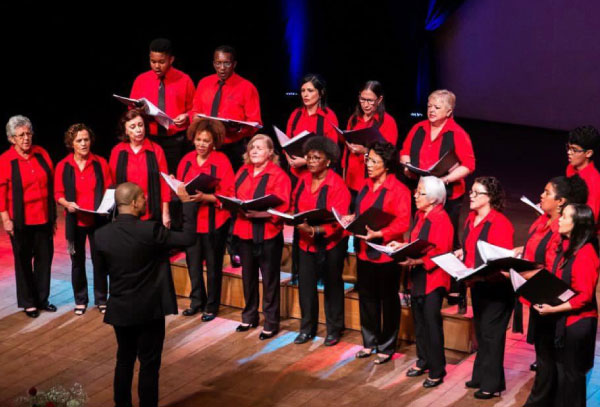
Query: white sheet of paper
[527,201]
[516,279]
[223,119]
[452,265]
[566,296]
[490,252]
[108,201]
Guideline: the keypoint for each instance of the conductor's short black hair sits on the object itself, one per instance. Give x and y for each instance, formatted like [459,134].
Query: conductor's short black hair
[227,49]
[324,144]
[587,137]
[162,45]
[388,154]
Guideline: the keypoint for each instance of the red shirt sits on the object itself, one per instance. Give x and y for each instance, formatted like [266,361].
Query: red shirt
[538,234]
[430,150]
[224,187]
[279,184]
[591,176]
[338,197]
[584,277]
[85,184]
[441,235]
[500,233]
[179,95]
[396,202]
[354,164]
[309,123]
[239,101]
[35,184]
[137,169]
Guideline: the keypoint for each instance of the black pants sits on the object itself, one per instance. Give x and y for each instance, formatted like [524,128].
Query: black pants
[144,342]
[33,249]
[78,275]
[492,306]
[332,267]
[379,304]
[209,248]
[452,208]
[560,377]
[429,332]
[265,256]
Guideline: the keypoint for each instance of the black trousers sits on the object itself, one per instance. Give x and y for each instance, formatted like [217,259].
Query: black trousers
[560,377]
[452,208]
[265,256]
[78,274]
[379,304]
[209,248]
[332,267]
[492,306]
[144,342]
[427,316]
[33,249]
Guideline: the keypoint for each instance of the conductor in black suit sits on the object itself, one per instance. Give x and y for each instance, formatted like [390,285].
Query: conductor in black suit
[135,253]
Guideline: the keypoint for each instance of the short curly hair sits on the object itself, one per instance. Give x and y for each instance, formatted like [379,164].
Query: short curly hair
[214,127]
[494,191]
[587,137]
[127,116]
[388,154]
[72,131]
[573,189]
[324,144]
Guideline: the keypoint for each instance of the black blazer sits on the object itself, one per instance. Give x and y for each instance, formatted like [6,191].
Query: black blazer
[136,255]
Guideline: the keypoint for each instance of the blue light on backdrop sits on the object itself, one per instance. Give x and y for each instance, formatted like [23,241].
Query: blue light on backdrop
[295,30]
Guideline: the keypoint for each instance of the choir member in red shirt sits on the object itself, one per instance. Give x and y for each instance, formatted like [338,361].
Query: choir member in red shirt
[260,233]
[226,94]
[28,214]
[566,334]
[427,142]
[80,182]
[139,160]
[492,299]
[583,141]
[322,248]
[378,277]
[313,116]
[170,90]
[213,221]
[370,111]
[428,283]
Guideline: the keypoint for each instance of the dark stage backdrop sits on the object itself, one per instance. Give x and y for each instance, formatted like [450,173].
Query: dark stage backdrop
[61,69]
[525,62]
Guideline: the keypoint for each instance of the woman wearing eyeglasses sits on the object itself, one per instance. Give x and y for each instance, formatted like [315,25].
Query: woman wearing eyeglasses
[493,299]
[369,111]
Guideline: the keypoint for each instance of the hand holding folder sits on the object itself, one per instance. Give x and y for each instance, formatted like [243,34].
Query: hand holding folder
[439,169]
[543,288]
[373,219]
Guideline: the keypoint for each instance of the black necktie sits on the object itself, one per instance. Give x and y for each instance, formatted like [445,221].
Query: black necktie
[214,110]
[161,105]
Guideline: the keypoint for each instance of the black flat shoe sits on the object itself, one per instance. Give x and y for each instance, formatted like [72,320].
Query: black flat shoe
[32,314]
[472,385]
[245,327]
[361,354]
[50,308]
[331,340]
[533,367]
[208,317]
[102,309]
[414,372]
[381,359]
[303,338]
[188,312]
[79,311]
[264,335]
[484,395]
[428,383]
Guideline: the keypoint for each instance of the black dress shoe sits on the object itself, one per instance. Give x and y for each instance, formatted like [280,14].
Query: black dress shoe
[331,340]
[414,372]
[381,359]
[50,308]
[235,261]
[472,385]
[32,314]
[245,327]
[361,354]
[428,383]
[188,312]
[264,335]
[484,395]
[303,338]
[533,367]
[208,317]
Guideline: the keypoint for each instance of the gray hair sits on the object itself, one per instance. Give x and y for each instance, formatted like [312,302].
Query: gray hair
[446,95]
[435,189]
[15,122]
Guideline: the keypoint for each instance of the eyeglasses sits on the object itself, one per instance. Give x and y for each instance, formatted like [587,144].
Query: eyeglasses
[477,193]
[369,160]
[367,101]
[24,134]
[225,64]
[571,149]
[316,158]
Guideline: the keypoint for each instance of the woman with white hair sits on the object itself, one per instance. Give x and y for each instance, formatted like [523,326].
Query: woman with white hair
[429,283]
[28,214]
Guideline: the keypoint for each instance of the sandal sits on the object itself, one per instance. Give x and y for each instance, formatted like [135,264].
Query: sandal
[102,309]
[382,358]
[363,353]
[79,311]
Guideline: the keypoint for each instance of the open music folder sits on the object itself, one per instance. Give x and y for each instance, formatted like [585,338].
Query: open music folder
[543,288]
[231,122]
[258,204]
[375,218]
[293,146]
[439,169]
[149,108]
[413,250]
[364,136]
[314,217]
[202,182]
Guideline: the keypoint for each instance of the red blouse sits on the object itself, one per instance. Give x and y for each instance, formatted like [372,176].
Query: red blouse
[543,241]
[309,123]
[500,233]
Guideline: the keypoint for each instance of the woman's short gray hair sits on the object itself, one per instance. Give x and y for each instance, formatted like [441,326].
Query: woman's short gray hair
[15,122]
[435,189]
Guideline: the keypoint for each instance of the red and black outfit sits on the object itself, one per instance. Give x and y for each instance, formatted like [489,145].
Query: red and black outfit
[235,98]
[428,286]
[378,278]
[27,193]
[591,177]
[212,226]
[321,123]
[565,342]
[324,252]
[142,168]
[86,188]
[354,164]
[493,302]
[261,242]
[174,95]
